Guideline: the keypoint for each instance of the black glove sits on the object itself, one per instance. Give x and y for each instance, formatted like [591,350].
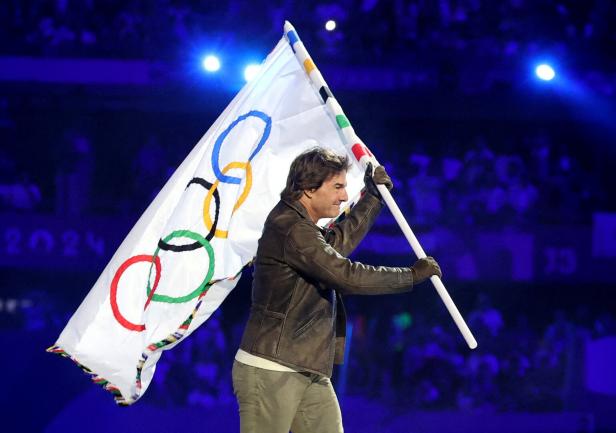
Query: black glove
[380,177]
[424,269]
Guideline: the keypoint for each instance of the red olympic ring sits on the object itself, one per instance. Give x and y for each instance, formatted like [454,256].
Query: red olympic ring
[114,290]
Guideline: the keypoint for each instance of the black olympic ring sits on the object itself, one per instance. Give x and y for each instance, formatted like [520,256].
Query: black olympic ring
[196,245]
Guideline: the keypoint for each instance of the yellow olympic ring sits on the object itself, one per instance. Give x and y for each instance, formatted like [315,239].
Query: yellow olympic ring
[208,198]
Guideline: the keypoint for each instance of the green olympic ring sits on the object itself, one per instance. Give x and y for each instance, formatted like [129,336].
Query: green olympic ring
[210,272]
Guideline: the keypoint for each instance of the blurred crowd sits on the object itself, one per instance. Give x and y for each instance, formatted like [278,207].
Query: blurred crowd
[403,351]
[537,181]
[97,27]
[17,190]
[73,178]
[520,365]
[445,34]
[405,356]
[411,361]
[537,177]
[522,177]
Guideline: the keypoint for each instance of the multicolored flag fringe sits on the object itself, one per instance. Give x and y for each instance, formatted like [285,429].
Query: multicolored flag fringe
[186,252]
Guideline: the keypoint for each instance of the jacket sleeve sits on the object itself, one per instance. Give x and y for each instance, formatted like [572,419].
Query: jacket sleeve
[346,235]
[307,251]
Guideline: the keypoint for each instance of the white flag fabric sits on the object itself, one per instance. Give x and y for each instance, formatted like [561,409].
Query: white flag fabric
[185,253]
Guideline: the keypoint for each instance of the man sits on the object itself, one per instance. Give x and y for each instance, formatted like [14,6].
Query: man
[297,323]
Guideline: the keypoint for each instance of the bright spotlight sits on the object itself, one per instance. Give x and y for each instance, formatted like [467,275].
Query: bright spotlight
[211,63]
[545,72]
[330,25]
[251,71]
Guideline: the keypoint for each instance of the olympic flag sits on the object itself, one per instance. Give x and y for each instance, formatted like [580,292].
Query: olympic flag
[186,252]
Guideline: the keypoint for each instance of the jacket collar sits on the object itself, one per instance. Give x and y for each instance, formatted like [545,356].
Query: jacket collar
[297,207]
[300,209]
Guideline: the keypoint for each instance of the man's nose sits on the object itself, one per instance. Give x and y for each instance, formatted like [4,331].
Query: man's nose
[345,195]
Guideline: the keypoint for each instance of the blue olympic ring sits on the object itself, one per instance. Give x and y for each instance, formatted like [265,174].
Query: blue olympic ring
[218,144]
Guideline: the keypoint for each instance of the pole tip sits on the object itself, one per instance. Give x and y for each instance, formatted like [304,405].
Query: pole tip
[288,26]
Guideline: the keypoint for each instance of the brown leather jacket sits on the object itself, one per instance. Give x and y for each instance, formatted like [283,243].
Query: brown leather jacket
[297,317]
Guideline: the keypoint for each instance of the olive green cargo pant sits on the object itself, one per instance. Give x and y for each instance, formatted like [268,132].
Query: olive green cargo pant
[276,401]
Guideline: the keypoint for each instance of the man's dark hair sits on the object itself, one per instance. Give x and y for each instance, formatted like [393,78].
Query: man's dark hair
[310,169]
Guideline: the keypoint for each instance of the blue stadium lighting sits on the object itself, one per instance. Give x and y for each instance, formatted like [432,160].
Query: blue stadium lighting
[545,72]
[211,63]
[330,25]
[251,71]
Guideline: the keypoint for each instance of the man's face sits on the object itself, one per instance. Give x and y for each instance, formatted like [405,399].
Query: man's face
[326,200]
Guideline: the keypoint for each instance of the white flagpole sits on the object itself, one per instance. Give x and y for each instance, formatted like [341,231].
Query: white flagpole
[364,156]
